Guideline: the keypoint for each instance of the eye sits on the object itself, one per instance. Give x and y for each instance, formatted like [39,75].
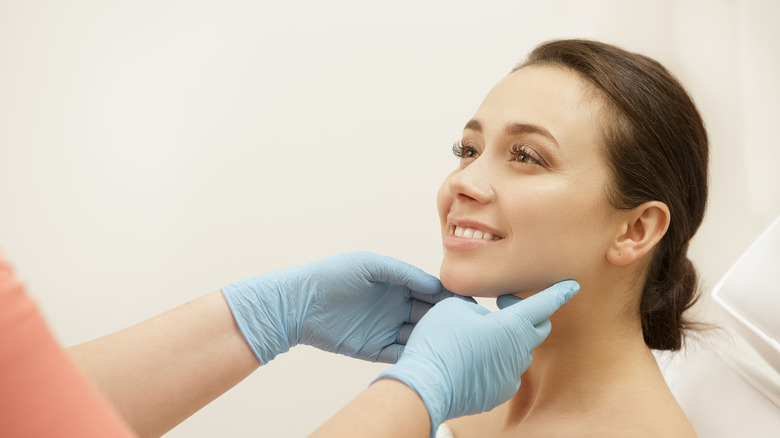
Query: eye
[461,151]
[523,154]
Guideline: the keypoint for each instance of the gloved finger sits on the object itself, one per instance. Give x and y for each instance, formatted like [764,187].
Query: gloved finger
[389,270]
[458,305]
[543,330]
[507,300]
[542,305]
[390,354]
[404,333]
[419,309]
[439,296]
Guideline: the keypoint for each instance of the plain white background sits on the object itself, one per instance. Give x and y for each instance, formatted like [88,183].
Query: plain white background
[152,151]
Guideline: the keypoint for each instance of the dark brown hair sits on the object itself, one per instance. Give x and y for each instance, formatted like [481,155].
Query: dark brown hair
[656,147]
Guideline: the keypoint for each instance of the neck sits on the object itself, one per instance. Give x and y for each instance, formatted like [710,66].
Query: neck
[596,345]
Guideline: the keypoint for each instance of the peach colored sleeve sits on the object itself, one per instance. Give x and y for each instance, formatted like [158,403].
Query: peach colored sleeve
[42,394]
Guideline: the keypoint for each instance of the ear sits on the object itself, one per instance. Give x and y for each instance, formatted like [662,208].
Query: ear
[639,230]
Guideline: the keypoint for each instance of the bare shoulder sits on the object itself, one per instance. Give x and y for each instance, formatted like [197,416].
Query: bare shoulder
[650,415]
[639,414]
[651,426]
[605,426]
[663,428]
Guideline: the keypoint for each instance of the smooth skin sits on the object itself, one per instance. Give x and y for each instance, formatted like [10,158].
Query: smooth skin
[386,409]
[160,371]
[594,375]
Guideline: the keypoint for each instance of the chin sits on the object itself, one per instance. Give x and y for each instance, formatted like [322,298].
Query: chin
[468,285]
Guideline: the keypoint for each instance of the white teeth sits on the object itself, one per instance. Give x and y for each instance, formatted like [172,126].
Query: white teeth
[470,233]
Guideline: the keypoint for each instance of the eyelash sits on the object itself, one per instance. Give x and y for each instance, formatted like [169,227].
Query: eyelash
[458,149]
[528,154]
[518,150]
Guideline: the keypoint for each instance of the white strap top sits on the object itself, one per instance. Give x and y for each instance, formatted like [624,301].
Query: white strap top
[444,431]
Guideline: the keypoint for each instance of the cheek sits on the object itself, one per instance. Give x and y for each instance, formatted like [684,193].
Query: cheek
[570,240]
[557,238]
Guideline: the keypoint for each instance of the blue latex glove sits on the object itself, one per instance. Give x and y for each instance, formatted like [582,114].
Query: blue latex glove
[462,359]
[359,304]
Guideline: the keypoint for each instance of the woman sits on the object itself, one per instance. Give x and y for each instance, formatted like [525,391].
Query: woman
[586,162]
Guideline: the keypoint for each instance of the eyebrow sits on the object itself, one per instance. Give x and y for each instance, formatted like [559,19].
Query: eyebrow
[514,129]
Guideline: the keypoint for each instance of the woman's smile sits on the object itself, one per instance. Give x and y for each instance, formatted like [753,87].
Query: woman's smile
[467,229]
[465,234]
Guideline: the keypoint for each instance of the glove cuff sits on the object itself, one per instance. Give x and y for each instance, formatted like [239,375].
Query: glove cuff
[265,334]
[428,385]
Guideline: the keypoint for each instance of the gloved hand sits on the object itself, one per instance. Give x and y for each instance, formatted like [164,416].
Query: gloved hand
[462,359]
[359,304]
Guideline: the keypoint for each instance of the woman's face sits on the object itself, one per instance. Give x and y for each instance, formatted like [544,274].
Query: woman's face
[526,207]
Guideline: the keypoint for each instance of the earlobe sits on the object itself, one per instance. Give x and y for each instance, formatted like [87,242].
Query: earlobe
[642,228]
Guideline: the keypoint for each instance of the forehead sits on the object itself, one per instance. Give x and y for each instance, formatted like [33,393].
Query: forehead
[552,97]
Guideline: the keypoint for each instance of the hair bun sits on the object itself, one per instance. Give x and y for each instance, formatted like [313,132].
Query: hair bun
[668,294]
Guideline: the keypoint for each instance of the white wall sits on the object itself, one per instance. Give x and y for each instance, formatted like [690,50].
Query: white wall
[151,151]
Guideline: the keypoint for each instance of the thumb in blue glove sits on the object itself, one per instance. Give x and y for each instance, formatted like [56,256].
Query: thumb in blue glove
[462,359]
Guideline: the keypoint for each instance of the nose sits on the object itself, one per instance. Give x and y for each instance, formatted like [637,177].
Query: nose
[474,182]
